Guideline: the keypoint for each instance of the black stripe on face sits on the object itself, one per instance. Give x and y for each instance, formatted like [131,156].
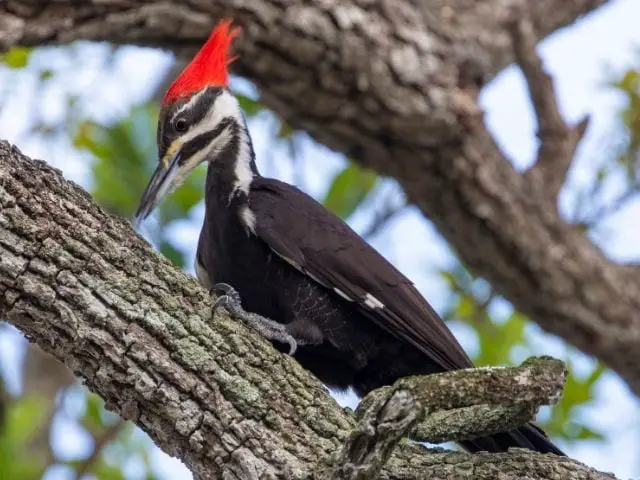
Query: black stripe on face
[192,115]
[197,111]
[201,141]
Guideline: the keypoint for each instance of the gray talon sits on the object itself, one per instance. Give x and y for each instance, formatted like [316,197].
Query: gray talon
[230,300]
[228,291]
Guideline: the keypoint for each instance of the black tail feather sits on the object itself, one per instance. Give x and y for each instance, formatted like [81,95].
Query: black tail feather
[528,436]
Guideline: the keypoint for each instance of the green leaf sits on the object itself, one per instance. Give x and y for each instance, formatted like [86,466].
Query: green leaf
[285,130]
[250,106]
[178,204]
[17,57]
[93,419]
[172,253]
[497,340]
[23,468]
[121,168]
[24,419]
[46,74]
[349,189]
[105,471]
[578,392]
[466,308]
[629,81]
[586,433]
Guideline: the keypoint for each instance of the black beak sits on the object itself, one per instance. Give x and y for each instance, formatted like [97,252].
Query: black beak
[159,186]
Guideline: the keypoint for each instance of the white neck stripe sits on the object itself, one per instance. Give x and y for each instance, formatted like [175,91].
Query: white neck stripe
[244,174]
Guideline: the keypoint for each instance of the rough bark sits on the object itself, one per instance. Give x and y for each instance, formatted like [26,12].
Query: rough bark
[89,290]
[465,400]
[408,108]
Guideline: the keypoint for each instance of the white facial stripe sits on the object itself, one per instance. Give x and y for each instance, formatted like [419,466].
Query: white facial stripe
[192,101]
[244,175]
[226,105]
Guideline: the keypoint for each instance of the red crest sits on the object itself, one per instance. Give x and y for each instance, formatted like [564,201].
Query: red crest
[209,66]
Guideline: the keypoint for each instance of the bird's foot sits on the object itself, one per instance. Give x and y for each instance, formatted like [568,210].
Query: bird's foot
[229,298]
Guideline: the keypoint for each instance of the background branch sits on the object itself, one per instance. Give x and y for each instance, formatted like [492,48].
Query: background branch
[86,288]
[101,442]
[558,142]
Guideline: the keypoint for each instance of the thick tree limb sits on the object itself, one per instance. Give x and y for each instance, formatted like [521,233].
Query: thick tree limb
[394,84]
[86,288]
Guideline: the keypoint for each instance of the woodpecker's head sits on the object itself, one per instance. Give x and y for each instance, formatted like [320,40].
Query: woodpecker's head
[198,120]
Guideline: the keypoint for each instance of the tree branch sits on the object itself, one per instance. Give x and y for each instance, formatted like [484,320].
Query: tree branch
[389,414]
[86,288]
[465,423]
[101,442]
[558,142]
[44,377]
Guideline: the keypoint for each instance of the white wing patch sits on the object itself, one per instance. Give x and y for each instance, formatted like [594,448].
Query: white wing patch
[369,300]
[313,277]
[372,302]
[342,294]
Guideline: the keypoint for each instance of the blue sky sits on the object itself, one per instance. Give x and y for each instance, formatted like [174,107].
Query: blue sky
[582,58]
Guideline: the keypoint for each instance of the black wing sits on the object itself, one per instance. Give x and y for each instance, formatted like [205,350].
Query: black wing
[321,245]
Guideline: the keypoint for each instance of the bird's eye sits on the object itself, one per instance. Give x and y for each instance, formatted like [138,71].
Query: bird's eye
[180,125]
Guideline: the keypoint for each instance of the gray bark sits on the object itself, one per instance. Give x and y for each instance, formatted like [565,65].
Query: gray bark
[408,109]
[86,288]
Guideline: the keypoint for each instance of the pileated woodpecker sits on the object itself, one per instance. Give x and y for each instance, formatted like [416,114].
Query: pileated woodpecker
[304,277]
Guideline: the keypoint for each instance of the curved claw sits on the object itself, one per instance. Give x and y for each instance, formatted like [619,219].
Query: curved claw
[231,294]
[222,288]
[229,298]
[222,300]
[293,345]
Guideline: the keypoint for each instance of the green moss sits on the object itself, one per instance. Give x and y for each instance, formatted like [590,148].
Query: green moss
[191,353]
[242,394]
